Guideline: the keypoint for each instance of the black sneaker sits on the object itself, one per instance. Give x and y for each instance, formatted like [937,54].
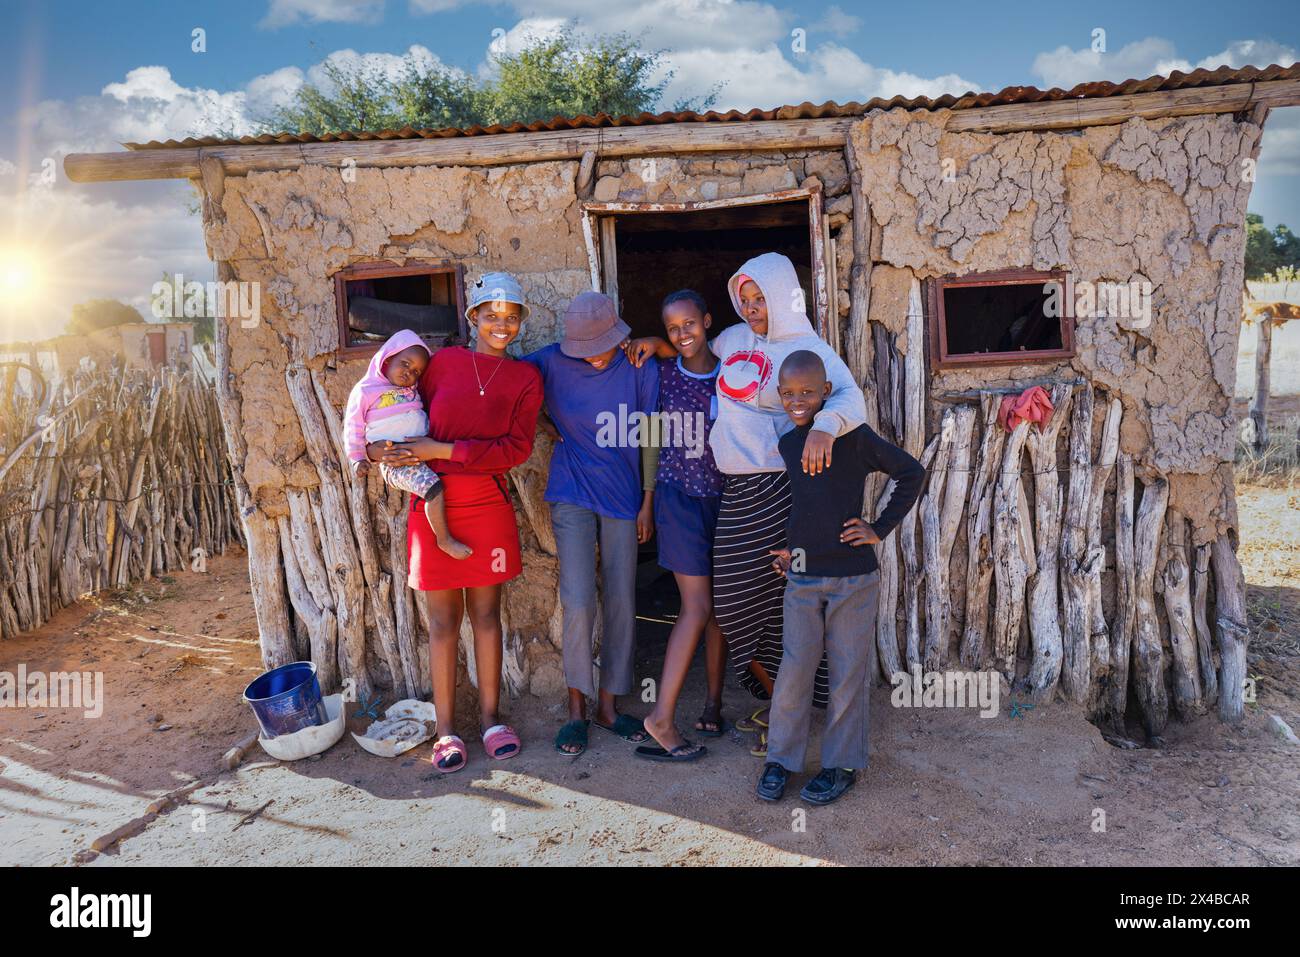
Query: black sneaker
[772,784]
[828,785]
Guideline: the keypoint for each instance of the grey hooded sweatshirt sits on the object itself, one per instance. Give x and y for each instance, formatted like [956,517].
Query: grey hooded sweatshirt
[750,416]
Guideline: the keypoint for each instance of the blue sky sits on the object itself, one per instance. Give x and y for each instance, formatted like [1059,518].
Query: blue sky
[85,76]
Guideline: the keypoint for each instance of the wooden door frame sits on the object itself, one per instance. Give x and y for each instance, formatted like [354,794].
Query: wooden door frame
[598,234]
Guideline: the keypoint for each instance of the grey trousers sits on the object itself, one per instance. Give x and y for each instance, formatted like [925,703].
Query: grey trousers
[837,615]
[576,532]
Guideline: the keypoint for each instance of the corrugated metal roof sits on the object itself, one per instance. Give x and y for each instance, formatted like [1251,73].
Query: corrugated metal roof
[1176,80]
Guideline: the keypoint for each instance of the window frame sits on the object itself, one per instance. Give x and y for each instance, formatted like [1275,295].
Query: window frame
[940,358]
[386,269]
[598,221]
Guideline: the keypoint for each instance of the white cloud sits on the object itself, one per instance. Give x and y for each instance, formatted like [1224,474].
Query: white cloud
[766,78]
[837,23]
[1065,68]
[391,65]
[283,13]
[1151,56]
[433,6]
[673,24]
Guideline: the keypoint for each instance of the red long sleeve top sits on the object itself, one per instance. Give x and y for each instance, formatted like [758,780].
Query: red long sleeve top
[490,433]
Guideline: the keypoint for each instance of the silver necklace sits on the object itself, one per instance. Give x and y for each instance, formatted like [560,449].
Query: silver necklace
[482,386]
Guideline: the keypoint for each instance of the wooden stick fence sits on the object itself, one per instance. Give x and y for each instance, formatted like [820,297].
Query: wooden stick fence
[105,480]
[1026,593]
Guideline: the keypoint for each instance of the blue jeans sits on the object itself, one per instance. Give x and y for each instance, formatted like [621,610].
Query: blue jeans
[577,530]
[838,616]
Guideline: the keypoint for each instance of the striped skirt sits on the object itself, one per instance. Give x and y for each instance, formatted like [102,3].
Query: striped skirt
[747,592]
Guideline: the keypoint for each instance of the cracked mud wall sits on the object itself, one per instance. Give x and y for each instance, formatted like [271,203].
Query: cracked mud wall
[1162,201]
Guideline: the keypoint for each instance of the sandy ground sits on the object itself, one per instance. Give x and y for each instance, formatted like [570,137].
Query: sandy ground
[944,787]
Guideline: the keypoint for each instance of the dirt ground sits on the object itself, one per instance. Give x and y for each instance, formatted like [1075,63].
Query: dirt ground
[944,787]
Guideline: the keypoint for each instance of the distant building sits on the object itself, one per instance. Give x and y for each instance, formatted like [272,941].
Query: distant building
[139,345]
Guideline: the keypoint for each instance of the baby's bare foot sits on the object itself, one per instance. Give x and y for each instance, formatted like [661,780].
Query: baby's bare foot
[457,550]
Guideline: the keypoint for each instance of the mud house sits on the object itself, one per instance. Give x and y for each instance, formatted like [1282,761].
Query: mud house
[138,345]
[954,250]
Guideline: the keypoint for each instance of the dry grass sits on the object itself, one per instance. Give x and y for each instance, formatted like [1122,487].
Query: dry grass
[1268,502]
[1279,464]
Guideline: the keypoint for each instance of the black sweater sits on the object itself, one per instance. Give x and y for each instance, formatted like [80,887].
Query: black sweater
[823,503]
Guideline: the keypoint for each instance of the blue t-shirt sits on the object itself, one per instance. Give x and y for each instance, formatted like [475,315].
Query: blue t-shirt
[597,465]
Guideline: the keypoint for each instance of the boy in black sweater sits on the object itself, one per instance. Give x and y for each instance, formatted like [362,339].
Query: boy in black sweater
[832,586]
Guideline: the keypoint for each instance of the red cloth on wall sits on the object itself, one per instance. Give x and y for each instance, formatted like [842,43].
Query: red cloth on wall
[1032,405]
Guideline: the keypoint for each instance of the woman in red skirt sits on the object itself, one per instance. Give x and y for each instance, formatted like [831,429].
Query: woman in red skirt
[483,408]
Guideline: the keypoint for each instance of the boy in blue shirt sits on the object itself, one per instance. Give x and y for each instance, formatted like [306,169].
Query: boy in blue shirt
[600,404]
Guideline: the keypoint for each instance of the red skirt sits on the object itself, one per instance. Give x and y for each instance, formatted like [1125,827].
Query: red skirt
[479,514]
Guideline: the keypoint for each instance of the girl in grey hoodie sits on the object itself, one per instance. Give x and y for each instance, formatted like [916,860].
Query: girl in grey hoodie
[747,591]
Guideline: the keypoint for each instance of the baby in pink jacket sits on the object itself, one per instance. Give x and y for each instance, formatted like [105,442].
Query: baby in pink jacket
[385,407]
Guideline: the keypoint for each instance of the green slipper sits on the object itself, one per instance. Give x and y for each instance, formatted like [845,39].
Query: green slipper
[573,732]
[627,728]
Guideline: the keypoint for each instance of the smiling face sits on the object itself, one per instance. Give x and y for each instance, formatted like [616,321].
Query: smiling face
[686,327]
[603,360]
[498,323]
[753,307]
[802,392]
[405,368]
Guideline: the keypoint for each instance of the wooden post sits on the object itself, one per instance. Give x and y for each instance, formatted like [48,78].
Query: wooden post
[913,441]
[1231,627]
[1148,653]
[858,347]
[979,537]
[1205,654]
[1188,699]
[1009,568]
[1124,622]
[1098,630]
[1044,613]
[1259,403]
[954,506]
[1075,569]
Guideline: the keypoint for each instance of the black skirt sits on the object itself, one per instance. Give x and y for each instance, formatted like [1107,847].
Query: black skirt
[747,592]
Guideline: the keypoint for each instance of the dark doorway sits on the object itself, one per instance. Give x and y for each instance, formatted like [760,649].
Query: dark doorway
[660,252]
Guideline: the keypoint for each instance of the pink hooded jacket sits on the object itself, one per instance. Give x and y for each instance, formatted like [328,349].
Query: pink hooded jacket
[364,402]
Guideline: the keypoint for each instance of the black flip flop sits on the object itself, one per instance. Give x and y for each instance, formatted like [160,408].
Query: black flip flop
[678,755]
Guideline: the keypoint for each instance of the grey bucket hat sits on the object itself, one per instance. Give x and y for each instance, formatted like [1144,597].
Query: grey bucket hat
[592,326]
[496,287]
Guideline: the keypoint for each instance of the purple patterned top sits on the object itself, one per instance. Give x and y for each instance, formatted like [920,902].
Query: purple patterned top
[689,405]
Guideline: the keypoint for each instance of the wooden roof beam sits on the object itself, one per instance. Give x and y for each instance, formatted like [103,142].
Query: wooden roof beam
[662,139]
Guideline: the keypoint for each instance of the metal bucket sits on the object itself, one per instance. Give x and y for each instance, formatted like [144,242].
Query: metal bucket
[287,699]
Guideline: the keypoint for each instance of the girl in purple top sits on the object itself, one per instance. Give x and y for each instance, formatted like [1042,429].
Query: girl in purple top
[687,493]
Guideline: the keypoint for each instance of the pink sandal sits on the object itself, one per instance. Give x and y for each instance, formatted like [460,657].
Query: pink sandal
[444,749]
[499,737]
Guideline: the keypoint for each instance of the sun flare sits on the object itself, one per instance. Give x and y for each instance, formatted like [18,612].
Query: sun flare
[22,278]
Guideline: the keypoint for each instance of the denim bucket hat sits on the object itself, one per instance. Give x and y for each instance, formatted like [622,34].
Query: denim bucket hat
[496,287]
